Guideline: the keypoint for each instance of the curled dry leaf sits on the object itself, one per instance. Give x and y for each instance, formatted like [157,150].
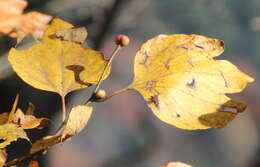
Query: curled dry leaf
[26,121]
[11,132]
[177,164]
[74,34]
[77,120]
[29,121]
[57,65]
[13,20]
[182,83]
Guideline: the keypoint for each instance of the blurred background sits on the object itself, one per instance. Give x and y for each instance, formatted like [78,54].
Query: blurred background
[123,131]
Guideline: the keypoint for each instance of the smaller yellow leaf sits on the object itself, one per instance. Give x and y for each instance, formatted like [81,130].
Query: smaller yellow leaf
[44,143]
[177,164]
[11,132]
[77,121]
[75,34]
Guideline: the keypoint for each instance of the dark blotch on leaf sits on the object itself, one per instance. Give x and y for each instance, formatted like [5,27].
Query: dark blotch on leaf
[191,84]
[155,101]
[77,69]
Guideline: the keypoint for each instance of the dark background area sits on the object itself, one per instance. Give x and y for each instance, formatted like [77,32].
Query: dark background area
[123,131]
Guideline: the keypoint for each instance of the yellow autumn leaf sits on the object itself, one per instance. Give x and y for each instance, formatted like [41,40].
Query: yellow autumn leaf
[77,120]
[57,65]
[11,132]
[177,164]
[182,83]
[44,143]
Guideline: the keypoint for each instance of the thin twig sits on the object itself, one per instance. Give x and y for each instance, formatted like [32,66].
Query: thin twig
[114,53]
[64,118]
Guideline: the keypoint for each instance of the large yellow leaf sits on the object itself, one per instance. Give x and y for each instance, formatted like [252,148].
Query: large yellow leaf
[10,133]
[57,65]
[182,83]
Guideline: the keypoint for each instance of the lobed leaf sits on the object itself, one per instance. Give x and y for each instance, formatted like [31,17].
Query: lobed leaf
[182,83]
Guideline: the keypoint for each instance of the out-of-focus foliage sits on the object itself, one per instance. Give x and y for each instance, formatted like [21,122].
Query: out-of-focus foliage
[16,24]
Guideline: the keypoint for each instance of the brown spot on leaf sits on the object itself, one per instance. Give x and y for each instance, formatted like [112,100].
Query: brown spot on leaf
[191,84]
[155,101]
[77,69]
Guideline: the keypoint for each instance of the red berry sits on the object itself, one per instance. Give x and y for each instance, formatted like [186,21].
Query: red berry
[122,40]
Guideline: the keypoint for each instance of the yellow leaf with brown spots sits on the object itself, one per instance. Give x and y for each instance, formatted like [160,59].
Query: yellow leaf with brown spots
[56,65]
[182,83]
